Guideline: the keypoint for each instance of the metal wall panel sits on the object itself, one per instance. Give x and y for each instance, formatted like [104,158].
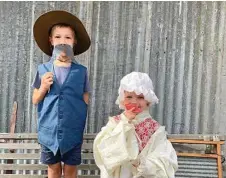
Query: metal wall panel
[197,167]
[180,44]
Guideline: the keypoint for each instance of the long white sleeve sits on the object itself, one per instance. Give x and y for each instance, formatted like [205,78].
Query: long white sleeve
[115,145]
[158,159]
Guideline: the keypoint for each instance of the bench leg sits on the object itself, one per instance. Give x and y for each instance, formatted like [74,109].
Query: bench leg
[219,164]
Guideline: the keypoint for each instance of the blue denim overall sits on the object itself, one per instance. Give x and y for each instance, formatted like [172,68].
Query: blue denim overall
[62,113]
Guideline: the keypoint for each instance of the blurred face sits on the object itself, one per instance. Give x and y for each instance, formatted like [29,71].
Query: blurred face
[62,35]
[133,98]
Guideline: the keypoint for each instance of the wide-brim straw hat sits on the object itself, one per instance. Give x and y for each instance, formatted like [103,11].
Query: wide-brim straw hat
[46,21]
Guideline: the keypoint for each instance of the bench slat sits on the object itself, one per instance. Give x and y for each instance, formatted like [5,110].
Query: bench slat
[41,167]
[196,141]
[19,156]
[88,167]
[19,136]
[23,167]
[87,156]
[88,176]
[21,176]
[33,136]
[42,176]
[87,146]
[34,156]
[19,146]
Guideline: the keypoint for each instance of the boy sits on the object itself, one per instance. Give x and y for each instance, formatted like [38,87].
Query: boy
[61,91]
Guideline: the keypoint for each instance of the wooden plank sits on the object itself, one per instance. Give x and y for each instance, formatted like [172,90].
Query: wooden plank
[41,167]
[20,156]
[20,146]
[23,167]
[2,141]
[12,131]
[197,155]
[42,176]
[28,156]
[13,118]
[33,136]
[89,136]
[88,146]
[219,164]
[196,141]
[92,136]
[194,136]
[87,156]
[88,167]
[19,136]
[22,176]
[88,176]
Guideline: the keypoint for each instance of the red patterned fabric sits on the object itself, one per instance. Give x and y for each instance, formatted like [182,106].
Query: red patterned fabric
[117,118]
[144,130]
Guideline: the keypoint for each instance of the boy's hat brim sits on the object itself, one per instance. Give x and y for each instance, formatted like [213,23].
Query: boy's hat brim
[46,21]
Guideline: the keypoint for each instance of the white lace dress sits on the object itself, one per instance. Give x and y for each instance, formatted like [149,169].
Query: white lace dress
[133,150]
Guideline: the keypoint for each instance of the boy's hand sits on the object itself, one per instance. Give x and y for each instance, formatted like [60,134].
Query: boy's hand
[46,81]
[64,58]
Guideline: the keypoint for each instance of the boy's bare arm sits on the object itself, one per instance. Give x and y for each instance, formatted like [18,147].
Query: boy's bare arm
[46,82]
[38,95]
[86,97]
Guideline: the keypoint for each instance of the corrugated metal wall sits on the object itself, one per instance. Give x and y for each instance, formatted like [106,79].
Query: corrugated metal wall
[197,168]
[180,44]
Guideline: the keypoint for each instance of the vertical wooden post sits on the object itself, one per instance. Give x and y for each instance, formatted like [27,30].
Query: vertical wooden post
[219,165]
[12,131]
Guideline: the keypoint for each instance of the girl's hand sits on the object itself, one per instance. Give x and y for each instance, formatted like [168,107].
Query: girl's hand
[130,114]
[46,81]
[136,163]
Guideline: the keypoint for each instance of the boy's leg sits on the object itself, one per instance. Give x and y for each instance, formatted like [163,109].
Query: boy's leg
[53,162]
[54,170]
[70,171]
[71,159]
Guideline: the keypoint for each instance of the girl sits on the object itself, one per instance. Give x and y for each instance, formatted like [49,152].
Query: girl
[132,144]
[61,92]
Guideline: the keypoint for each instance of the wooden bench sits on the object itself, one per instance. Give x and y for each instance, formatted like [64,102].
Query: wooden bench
[20,153]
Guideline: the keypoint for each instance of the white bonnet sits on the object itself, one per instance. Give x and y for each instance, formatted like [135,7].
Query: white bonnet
[137,82]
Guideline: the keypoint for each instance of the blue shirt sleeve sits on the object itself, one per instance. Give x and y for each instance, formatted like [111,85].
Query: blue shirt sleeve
[86,86]
[37,81]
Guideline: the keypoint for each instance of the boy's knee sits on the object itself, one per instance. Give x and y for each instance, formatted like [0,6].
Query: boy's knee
[70,171]
[54,170]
